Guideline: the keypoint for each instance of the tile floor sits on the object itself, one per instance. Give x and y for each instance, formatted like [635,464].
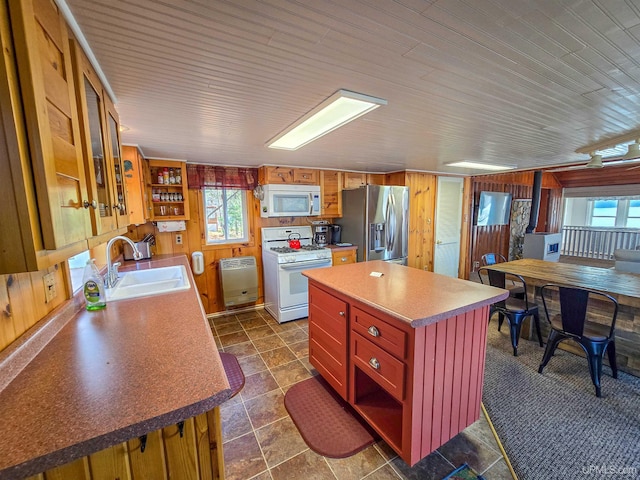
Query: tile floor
[262,443]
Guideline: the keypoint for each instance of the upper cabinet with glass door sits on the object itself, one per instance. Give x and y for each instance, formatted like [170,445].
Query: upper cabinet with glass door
[115,155]
[105,204]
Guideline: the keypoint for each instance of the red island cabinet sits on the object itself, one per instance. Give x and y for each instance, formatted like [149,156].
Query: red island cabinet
[416,386]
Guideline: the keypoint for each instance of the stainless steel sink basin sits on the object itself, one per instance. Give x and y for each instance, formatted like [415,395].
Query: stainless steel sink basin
[154,281]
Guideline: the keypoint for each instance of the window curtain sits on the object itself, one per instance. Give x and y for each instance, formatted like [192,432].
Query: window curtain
[200,176]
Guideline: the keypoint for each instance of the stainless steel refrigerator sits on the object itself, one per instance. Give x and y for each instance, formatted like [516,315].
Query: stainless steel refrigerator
[376,219]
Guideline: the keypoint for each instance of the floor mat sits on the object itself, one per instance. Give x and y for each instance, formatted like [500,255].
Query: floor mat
[328,425]
[234,372]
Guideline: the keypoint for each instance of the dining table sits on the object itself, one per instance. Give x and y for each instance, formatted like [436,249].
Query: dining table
[623,286]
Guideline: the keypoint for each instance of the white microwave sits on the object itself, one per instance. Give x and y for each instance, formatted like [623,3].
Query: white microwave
[290,200]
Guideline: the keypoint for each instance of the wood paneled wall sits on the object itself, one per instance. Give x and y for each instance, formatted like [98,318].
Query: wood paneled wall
[495,238]
[22,301]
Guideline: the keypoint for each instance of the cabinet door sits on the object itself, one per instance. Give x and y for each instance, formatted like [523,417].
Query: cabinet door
[134,183]
[328,338]
[47,91]
[331,190]
[119,192]
[305,176]
[277,175]
[97,167]
[354,180]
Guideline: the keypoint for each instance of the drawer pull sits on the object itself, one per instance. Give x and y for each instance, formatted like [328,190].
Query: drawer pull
[341,314]
[343,259]
[374,363]
[373,331]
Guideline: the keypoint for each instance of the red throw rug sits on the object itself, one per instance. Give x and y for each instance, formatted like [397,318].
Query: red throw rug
[233,371]
[328,425]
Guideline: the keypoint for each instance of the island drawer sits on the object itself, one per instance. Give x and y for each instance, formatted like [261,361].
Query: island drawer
[381,333]
[328,303]
[384,369]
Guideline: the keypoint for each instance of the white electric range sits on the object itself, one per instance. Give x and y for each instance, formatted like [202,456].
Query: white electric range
[285,288]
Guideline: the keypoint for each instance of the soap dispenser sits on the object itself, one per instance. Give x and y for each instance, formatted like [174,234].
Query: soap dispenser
[93,287]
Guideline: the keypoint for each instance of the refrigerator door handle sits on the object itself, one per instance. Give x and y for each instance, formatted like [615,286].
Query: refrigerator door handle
[390,218]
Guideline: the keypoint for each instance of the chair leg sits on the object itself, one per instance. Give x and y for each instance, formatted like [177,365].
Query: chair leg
[611,353]
[595,352]
[552,342]
[536,320]
[515,325]
[500,320]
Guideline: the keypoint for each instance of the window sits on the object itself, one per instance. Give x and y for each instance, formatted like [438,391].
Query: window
[225,215]
[633,217]
[604,213]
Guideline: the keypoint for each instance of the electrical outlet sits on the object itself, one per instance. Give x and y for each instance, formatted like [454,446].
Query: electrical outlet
[49,287]
[179,239]
[476,265]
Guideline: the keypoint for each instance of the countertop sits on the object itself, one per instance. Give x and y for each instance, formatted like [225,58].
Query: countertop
[408,294]
[109,376]
[339,248]
[607,280]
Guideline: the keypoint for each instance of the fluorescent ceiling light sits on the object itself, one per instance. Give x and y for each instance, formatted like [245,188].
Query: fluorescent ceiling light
[337,110]
[480,166]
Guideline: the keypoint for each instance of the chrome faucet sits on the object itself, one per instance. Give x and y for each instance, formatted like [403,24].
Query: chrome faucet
[112,270]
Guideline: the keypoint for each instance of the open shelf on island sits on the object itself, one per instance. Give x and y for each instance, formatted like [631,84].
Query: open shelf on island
[379,408]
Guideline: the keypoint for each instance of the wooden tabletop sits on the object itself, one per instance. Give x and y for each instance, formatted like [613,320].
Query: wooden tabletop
[606,280]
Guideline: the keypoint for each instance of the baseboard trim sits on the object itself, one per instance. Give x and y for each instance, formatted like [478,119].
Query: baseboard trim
[250,308]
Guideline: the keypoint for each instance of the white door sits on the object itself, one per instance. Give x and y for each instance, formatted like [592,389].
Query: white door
[448,226]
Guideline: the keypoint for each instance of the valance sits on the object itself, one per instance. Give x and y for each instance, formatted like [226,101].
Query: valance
[200,176]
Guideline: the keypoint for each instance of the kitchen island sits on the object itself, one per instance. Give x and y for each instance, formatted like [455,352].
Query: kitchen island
[404,347]
[130,391]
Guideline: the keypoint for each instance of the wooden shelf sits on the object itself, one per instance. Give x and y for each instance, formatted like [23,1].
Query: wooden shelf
[379,408]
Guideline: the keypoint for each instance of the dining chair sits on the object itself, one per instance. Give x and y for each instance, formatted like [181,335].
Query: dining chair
[514,309]
[515,290]
[572,323]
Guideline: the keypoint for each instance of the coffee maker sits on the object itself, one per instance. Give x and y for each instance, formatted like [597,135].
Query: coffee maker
[336,234]
[321,235]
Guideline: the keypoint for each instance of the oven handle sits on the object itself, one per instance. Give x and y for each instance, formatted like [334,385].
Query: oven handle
[303,265]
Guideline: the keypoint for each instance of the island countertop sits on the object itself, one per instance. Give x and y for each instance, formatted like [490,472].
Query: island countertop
[111,375]
[411,295]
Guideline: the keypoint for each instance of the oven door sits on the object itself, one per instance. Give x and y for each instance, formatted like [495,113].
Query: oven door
[294,287]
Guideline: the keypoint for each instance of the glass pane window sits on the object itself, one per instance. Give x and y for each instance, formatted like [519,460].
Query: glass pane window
[225,215]
[633,217]
[604,213]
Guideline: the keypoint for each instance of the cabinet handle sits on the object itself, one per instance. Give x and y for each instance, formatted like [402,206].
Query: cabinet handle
[373,331]
[341,314]
[343,259]
[93,204]
[374,363]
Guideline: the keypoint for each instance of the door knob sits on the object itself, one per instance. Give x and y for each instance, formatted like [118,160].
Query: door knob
[439,242]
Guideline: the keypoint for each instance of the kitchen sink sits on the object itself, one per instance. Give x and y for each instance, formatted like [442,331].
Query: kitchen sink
[153,281]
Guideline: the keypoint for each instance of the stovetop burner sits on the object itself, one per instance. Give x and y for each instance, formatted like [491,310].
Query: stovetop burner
[305,248]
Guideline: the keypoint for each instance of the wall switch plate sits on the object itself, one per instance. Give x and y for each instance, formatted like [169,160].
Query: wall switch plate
[49,287]
[179,239]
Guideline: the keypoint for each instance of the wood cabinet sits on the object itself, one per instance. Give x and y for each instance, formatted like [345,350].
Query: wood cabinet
[134,182]
[169,198]
[352,180]
[417,387]
[331,192]
[43,219]
[48,98]
[344,255]
[192,449]
[101,150]
[275,175]
[328,321]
